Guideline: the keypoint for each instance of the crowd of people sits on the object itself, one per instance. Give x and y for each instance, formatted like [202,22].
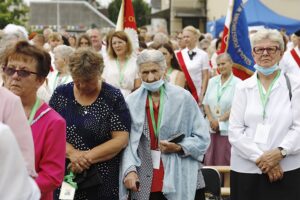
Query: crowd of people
[95,116]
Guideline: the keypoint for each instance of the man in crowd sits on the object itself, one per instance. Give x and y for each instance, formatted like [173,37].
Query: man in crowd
[96,38]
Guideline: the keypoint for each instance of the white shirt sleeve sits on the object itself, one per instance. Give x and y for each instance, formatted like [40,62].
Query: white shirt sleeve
[205,62]
[242,144]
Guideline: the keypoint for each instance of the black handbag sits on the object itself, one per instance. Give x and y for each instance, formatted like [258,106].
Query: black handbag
[88,178]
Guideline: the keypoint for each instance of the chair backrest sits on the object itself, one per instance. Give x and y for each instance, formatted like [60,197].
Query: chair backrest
[212,181]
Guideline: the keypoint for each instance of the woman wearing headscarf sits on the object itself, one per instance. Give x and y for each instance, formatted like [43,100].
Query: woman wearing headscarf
[264,127]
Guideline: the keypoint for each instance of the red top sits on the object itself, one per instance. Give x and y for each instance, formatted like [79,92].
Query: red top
[158,174]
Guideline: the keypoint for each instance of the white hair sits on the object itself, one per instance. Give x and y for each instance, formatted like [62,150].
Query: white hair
[63,50]
[152,55]
[16,30]
[160,38]
[271,34]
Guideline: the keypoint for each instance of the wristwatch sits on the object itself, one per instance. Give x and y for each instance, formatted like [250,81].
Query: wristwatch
[282,151]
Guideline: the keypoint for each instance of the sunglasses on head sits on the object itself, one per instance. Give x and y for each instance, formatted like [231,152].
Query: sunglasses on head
[21,72]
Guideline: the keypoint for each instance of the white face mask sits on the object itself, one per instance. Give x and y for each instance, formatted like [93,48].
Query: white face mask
[154,86]
[266,71]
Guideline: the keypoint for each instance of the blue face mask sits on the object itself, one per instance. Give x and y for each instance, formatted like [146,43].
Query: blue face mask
[266,71]
[154,86]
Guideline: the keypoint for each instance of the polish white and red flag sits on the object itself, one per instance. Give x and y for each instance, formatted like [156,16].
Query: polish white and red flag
[127,23]
[235,40]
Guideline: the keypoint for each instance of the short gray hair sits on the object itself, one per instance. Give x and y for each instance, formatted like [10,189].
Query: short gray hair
[224,56]
[160,38]
[63,50]
[271,34]
[152,55]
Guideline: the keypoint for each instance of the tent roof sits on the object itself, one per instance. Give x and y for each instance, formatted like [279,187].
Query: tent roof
[259,14]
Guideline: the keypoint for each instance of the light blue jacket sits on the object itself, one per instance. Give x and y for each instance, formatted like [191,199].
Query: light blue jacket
[181,114]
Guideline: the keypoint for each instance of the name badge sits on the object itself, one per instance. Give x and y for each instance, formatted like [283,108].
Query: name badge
[67,192]
[218,110]
[223,126]
[262,133]
[155,158]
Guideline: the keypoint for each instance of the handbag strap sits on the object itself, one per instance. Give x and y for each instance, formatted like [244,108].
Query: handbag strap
[288,83]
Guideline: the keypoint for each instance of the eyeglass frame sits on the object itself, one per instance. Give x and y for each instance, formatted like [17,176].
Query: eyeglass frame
[5,68]
[266,49]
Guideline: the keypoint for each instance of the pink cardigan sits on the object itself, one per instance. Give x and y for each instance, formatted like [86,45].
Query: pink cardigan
[49,136]
[13,115]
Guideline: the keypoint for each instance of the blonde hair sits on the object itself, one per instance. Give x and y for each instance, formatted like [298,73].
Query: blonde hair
[193,30]
[55,36]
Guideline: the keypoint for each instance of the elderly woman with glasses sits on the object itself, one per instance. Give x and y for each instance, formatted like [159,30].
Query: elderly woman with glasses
[25,70]
[98,125]
[264,127]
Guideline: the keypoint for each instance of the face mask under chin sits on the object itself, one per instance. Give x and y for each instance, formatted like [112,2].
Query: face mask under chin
[154,86]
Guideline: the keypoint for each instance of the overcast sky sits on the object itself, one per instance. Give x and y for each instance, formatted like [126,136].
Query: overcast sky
[102,2]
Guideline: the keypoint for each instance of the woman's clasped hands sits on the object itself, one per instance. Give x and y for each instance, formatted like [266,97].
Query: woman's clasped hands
[79,161]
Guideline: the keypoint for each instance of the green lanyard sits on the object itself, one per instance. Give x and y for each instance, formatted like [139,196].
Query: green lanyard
[169,71]
[161,107]
[55,84]
[221,90]
[265,97]
[121,76]
[69,179]
[33,111]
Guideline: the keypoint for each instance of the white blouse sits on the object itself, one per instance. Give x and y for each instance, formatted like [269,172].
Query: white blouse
[111,74]
[282,115]
[288,63]
[195,66]
[172,76]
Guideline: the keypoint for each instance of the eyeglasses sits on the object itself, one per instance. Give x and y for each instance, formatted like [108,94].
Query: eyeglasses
[261,50]
[21,72]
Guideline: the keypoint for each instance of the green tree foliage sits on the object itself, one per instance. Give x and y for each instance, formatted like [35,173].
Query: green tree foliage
[113,10]
[142,11]
[12,11]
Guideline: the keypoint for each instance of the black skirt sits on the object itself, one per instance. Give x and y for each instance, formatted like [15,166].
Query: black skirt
[245,186]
